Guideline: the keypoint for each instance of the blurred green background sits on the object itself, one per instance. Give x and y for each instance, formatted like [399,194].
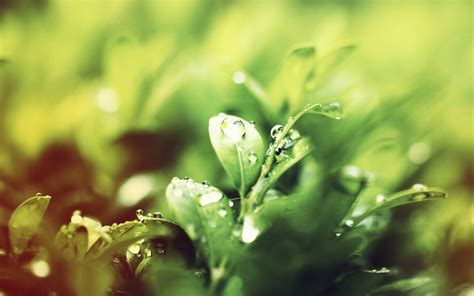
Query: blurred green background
[103,102]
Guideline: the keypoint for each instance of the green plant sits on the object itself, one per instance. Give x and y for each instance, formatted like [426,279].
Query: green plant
[227,246]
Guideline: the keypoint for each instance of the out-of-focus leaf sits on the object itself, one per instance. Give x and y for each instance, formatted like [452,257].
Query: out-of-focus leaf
[358,283]
[91,279]
[239,147]
[233,287]
[417,194]
[128,233]
[72,244]
[404,285]
[205,214]
[326,64]
[25,220]
[296,69]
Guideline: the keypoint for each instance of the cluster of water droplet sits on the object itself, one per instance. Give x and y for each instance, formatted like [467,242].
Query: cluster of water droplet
[203,192]
[333,110]
[284,144]
[206,196]
[150,216]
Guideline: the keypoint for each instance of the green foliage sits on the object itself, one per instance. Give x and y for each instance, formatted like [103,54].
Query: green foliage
[25,220]
[102,104]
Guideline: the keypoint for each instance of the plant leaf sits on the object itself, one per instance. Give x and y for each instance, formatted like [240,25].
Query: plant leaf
[25,220]
[205,214]
[125,234]
[404,285]
[326,64]
[401,198]
[72,243]
[302,147]
[296,69]
[239,147]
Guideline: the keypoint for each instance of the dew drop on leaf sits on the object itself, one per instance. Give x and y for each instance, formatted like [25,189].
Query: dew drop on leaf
[276,131]
[222,213]
[147,253]
[252,157]
[239,77]
[76,217]
[157,215]
[349,223]
[379,198]
[210,198]
[140,215]
[40,268]
[332,110]
[134,249]
[294,134]
[249,231]
[233,128]
[419,187]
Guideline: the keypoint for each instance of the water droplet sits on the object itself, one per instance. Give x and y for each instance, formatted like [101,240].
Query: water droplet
[239,77]
[233,128]
[140,215]
[76,217]
[135,189]
[249,231]
[333,110]
[294,134]
[134,249]
[252,157]
[147,253]
[160,247]
[222,213]
[231,203]
[210,197]
[278,150]
[338,234]
[379,198]
[157,215]
[349,223]
[40,268]
[276,131]
[419,152]
[419,187]
[38,194]
[107,100]
[175,180]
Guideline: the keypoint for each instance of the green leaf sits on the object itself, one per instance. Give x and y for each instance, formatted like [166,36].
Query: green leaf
[326,64]
[296,69]
[239,147]
[205,214]
[419,193]
[123,235]
[286,160]
[72,243]
[25,220]
[404,285]
[358,283]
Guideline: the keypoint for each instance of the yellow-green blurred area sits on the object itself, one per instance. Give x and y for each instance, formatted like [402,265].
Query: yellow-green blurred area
[103,102]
